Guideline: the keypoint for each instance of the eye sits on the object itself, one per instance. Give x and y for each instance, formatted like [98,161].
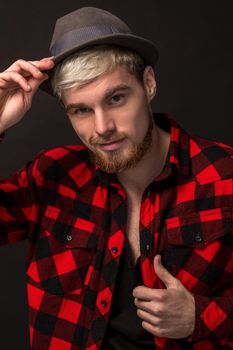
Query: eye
[116,99]
[79,111]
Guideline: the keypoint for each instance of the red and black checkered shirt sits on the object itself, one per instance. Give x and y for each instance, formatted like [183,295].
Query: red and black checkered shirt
[74,216]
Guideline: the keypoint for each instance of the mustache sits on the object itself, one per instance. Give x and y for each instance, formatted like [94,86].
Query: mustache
[108,138]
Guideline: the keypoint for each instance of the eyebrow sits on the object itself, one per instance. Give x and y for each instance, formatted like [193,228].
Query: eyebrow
[108,93]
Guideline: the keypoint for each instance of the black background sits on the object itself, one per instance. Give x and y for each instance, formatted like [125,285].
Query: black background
[195,84]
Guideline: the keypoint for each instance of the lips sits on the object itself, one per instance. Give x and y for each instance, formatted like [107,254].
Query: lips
[110,143]
[111,146]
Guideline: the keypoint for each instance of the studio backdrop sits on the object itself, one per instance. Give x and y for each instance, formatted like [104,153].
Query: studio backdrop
[195,85]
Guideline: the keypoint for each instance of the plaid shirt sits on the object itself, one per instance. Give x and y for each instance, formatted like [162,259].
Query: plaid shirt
[74,216]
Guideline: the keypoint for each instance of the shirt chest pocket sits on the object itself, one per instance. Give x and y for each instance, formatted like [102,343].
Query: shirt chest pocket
[64,254]
[200,249]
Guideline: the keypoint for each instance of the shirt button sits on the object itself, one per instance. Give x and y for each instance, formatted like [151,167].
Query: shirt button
[103,302]
[69,238]
[114,250]
[198,238]
[147,247]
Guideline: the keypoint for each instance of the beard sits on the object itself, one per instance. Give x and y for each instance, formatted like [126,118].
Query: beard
[115,161]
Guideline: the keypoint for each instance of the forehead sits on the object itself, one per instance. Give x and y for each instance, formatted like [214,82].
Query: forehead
[100,86]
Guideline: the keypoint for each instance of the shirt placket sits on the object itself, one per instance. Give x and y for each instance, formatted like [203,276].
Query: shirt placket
[114,247]
[147,236]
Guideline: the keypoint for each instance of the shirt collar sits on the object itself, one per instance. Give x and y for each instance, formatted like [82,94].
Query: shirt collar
[178,157]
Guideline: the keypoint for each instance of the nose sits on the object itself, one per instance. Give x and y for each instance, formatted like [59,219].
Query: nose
[104,123]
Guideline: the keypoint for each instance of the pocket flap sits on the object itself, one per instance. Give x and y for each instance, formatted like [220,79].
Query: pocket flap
[199,228]
[72,231]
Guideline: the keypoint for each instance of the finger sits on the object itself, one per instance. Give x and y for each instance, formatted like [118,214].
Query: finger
[157,331]
[151,307]
[32,68]
[145,293]
[47,58]
[35,83]
[148,317]
[26,68]
[10,80]
[44,64]
[143,305]
[169,280]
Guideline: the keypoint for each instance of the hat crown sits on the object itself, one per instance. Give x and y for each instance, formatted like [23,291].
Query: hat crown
[87,17]
[91,26]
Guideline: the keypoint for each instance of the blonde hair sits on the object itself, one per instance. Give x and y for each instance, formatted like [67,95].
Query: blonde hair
[88,64]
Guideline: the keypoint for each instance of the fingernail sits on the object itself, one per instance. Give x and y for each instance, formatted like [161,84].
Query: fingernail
[48,58]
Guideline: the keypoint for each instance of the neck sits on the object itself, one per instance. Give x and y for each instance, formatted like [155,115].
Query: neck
[135,180]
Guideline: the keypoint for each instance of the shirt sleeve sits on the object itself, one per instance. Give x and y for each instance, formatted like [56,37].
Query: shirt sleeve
[19,203]
[214,318]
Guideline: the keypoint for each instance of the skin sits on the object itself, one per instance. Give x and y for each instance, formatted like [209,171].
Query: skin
[113,107]
[18,85]
[168,312]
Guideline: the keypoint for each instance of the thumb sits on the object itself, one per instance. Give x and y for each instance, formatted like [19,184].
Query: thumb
[163,274]
[35,83]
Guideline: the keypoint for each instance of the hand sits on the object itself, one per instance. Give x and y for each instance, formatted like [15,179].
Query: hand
[18,84]
[166,312]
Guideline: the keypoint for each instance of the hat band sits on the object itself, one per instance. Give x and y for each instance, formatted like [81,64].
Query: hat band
[81,36]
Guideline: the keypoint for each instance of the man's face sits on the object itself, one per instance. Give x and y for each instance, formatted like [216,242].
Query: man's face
[112,117]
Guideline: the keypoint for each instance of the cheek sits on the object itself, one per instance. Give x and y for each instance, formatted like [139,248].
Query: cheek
[127,120]
[137,116]
[139,125]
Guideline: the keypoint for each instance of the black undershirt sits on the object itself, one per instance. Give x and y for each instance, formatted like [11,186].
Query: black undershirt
[124,330]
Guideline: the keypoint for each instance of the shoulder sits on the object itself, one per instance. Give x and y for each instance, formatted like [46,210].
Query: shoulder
[66,162]
[210,160]
[59,153]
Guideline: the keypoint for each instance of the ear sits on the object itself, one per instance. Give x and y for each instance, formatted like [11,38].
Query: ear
[149,82]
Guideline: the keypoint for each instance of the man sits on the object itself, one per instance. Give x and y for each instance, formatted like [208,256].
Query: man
[130,234]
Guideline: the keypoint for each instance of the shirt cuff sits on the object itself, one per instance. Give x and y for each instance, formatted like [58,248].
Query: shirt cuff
[212,319]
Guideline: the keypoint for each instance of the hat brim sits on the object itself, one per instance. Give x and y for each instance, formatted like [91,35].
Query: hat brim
[145,48]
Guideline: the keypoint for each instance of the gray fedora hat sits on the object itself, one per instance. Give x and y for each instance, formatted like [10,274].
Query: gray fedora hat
[89,26]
